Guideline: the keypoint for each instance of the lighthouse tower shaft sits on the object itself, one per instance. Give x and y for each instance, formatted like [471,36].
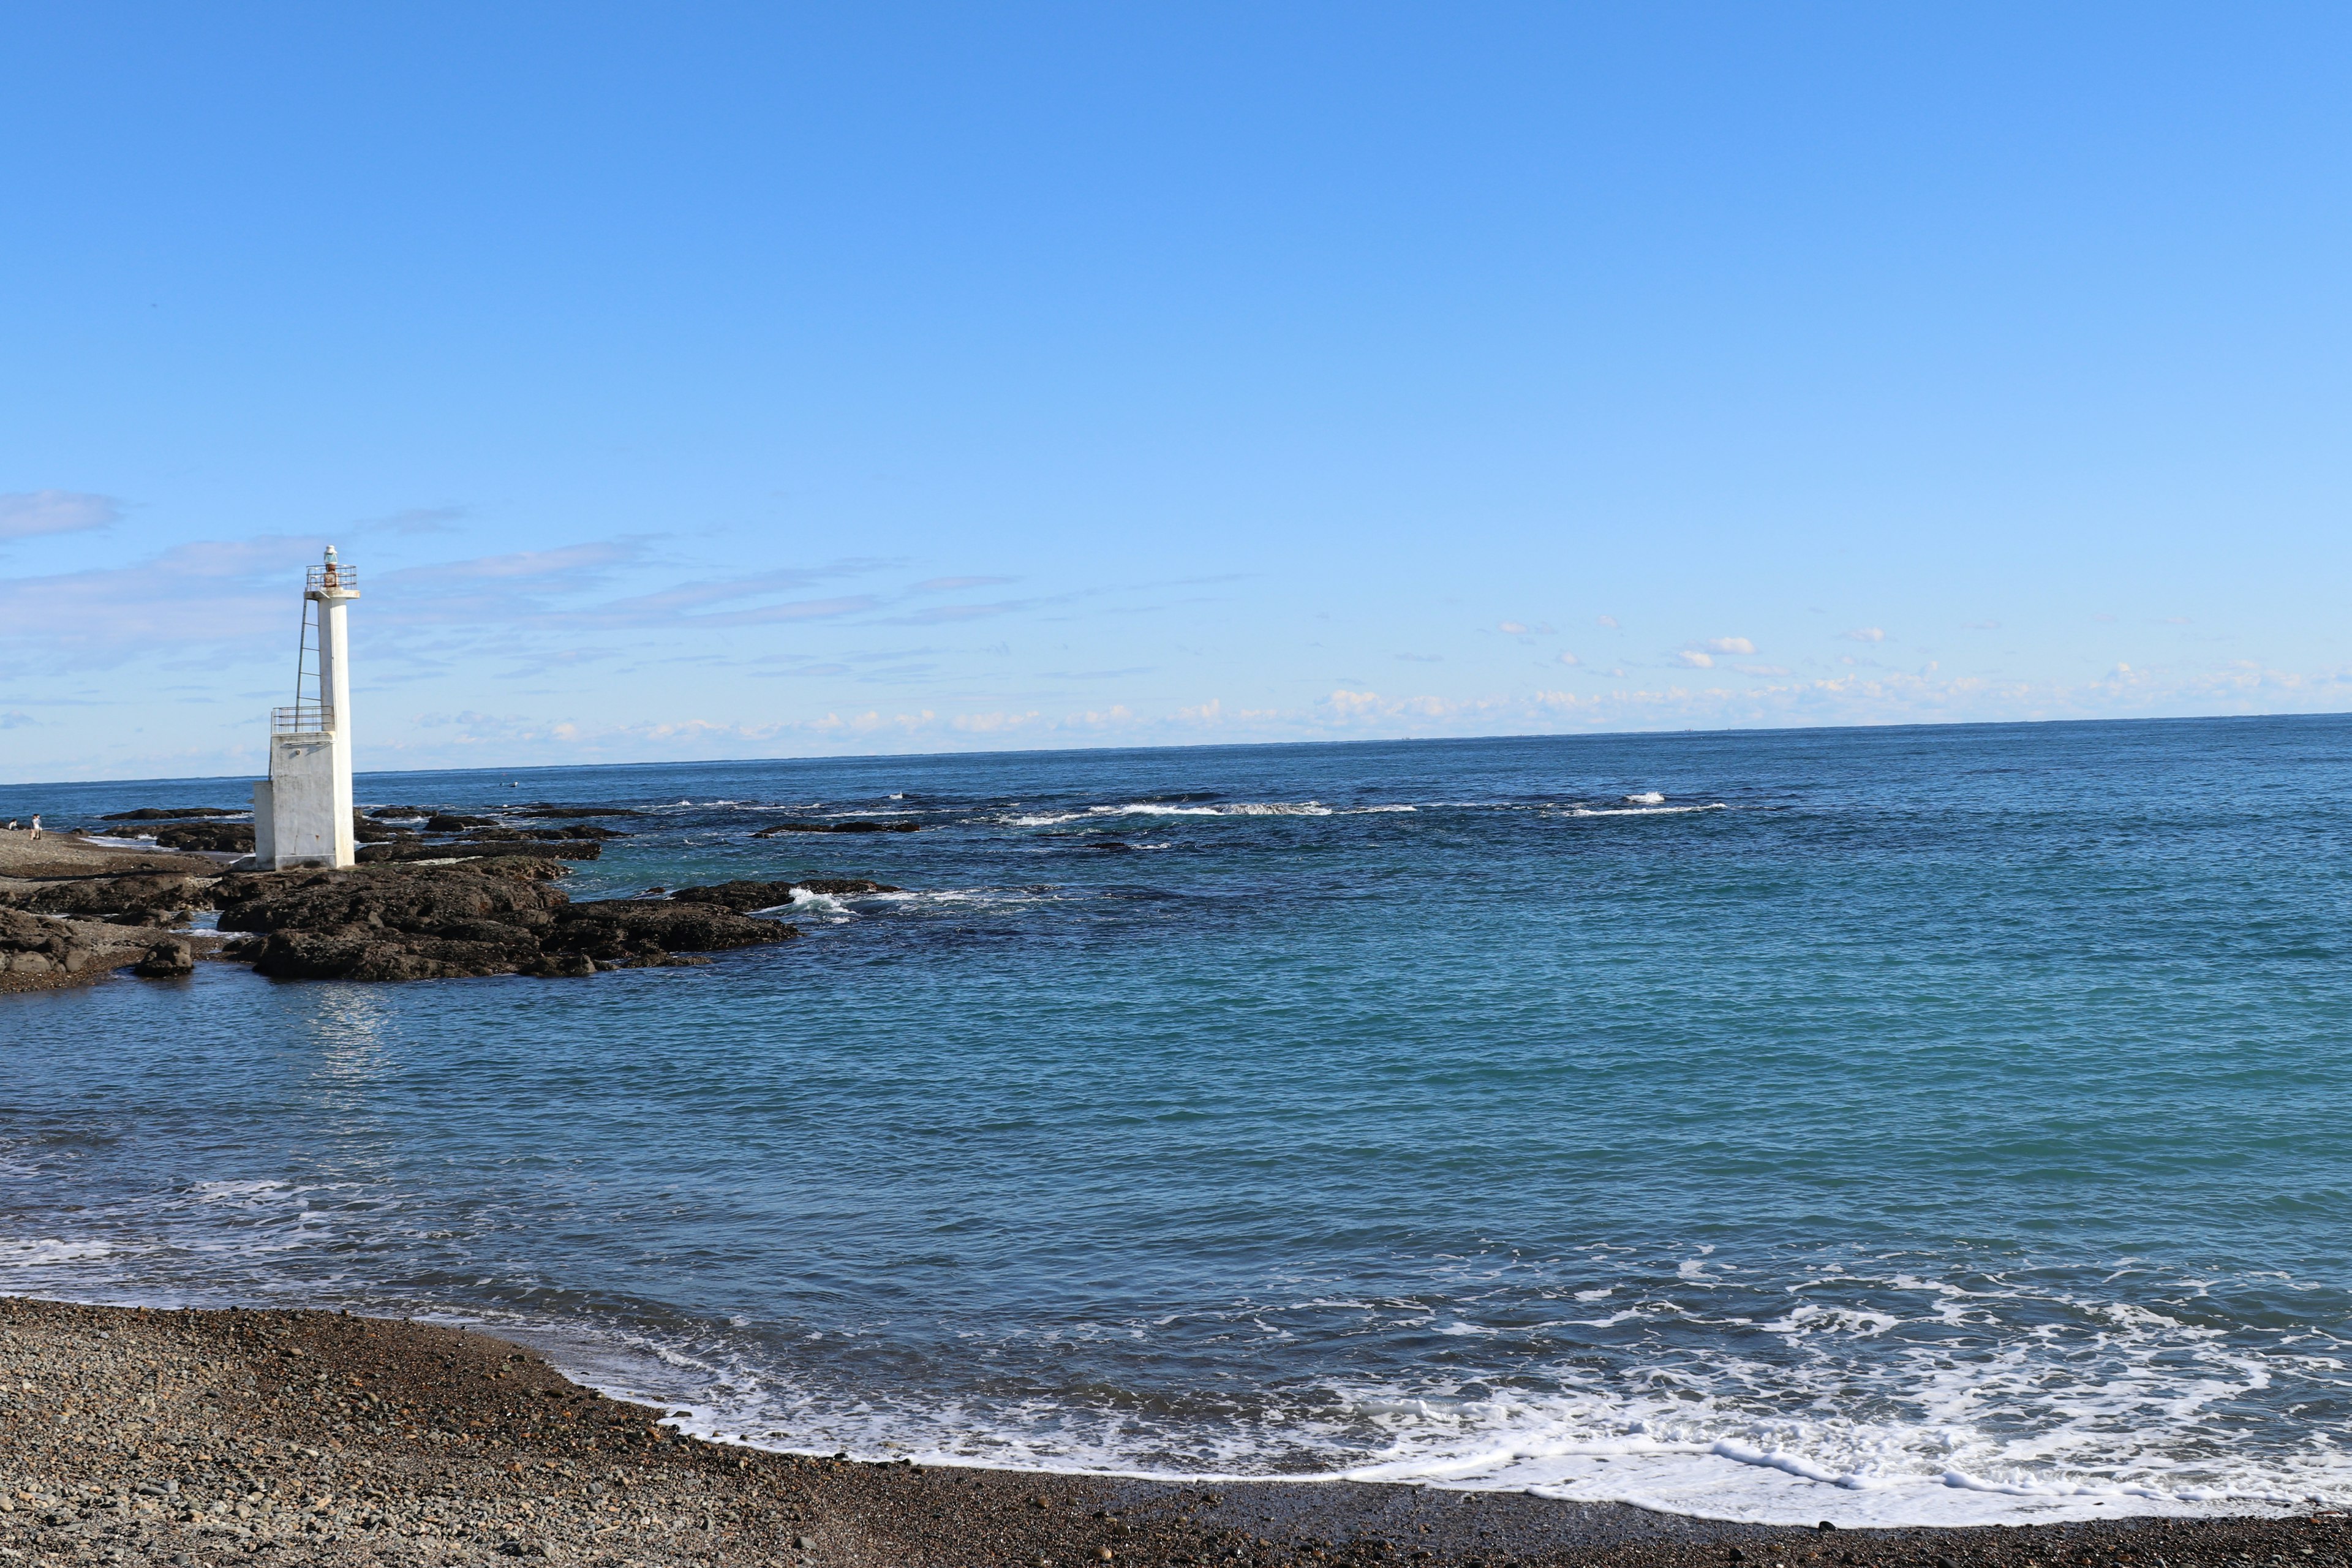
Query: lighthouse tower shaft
[303,814]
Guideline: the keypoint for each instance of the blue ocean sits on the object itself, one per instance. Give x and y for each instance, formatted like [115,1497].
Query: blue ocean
[1934,1124]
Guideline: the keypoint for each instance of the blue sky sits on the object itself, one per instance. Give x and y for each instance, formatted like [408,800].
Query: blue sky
[695,381]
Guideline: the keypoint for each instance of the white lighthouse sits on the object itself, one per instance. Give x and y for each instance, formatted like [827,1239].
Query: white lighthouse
[303,814]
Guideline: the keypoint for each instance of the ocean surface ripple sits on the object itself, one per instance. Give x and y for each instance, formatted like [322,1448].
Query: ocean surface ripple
[1884,1125]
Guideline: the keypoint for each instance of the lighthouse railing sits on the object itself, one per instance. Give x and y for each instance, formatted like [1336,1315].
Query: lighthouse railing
[302,719]
[336,579]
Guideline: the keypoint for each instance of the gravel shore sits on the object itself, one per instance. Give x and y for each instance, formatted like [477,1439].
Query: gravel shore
[135,1435]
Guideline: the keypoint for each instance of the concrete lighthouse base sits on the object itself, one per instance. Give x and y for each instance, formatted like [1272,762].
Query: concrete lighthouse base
[301,814]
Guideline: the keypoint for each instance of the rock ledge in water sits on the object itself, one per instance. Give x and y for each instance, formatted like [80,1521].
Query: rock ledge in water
[742,896]
[490,916]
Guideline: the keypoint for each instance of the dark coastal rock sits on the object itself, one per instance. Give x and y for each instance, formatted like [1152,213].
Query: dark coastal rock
[419,900]
[166,961]
[837,827]
[446,823]
[416,850]
[635,929]
[742,896]
[171,917]
[393,922]
[28,945]
[387,922]
[571,833]
[221,837]
[367,831]
[358,955]
[545,809]
[34,948]
[403,813]
[175,813]
[101,896]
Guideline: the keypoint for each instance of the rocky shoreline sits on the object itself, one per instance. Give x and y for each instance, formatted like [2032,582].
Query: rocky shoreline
[130,1435]
[72,911]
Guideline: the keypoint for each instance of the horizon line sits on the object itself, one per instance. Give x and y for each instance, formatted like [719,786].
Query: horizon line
[1226,746]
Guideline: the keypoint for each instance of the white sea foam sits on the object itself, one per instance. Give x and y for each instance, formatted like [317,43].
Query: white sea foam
[2136,1417]
[1662,1450]
[1647,798]
[806,901]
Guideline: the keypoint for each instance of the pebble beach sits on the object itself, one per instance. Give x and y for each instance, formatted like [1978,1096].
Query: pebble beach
[130,1435]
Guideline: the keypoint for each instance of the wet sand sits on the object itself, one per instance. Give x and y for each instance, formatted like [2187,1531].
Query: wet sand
[137,1435]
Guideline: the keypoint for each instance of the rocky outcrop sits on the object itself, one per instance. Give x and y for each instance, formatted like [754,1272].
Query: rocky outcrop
[835,827]
[219,837]
[742,896]
[570,833]
[137,893]
[44,954]
[628,931]
[172,960]
[31,946]
[498,916]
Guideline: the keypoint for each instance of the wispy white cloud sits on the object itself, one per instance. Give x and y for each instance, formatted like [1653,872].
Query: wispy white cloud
[1693,659]
[955,585]
[1865,634]
[191,596]
[1853,698]
[26,514]
[570,568]
[1729,644]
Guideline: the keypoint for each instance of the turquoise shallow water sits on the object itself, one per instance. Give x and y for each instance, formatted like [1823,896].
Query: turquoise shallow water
[1918,1124]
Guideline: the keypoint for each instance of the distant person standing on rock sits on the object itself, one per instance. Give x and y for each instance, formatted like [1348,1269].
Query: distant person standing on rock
[37,825]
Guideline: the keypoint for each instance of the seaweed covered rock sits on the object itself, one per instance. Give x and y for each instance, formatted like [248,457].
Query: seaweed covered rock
[854,826]
[170,814]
